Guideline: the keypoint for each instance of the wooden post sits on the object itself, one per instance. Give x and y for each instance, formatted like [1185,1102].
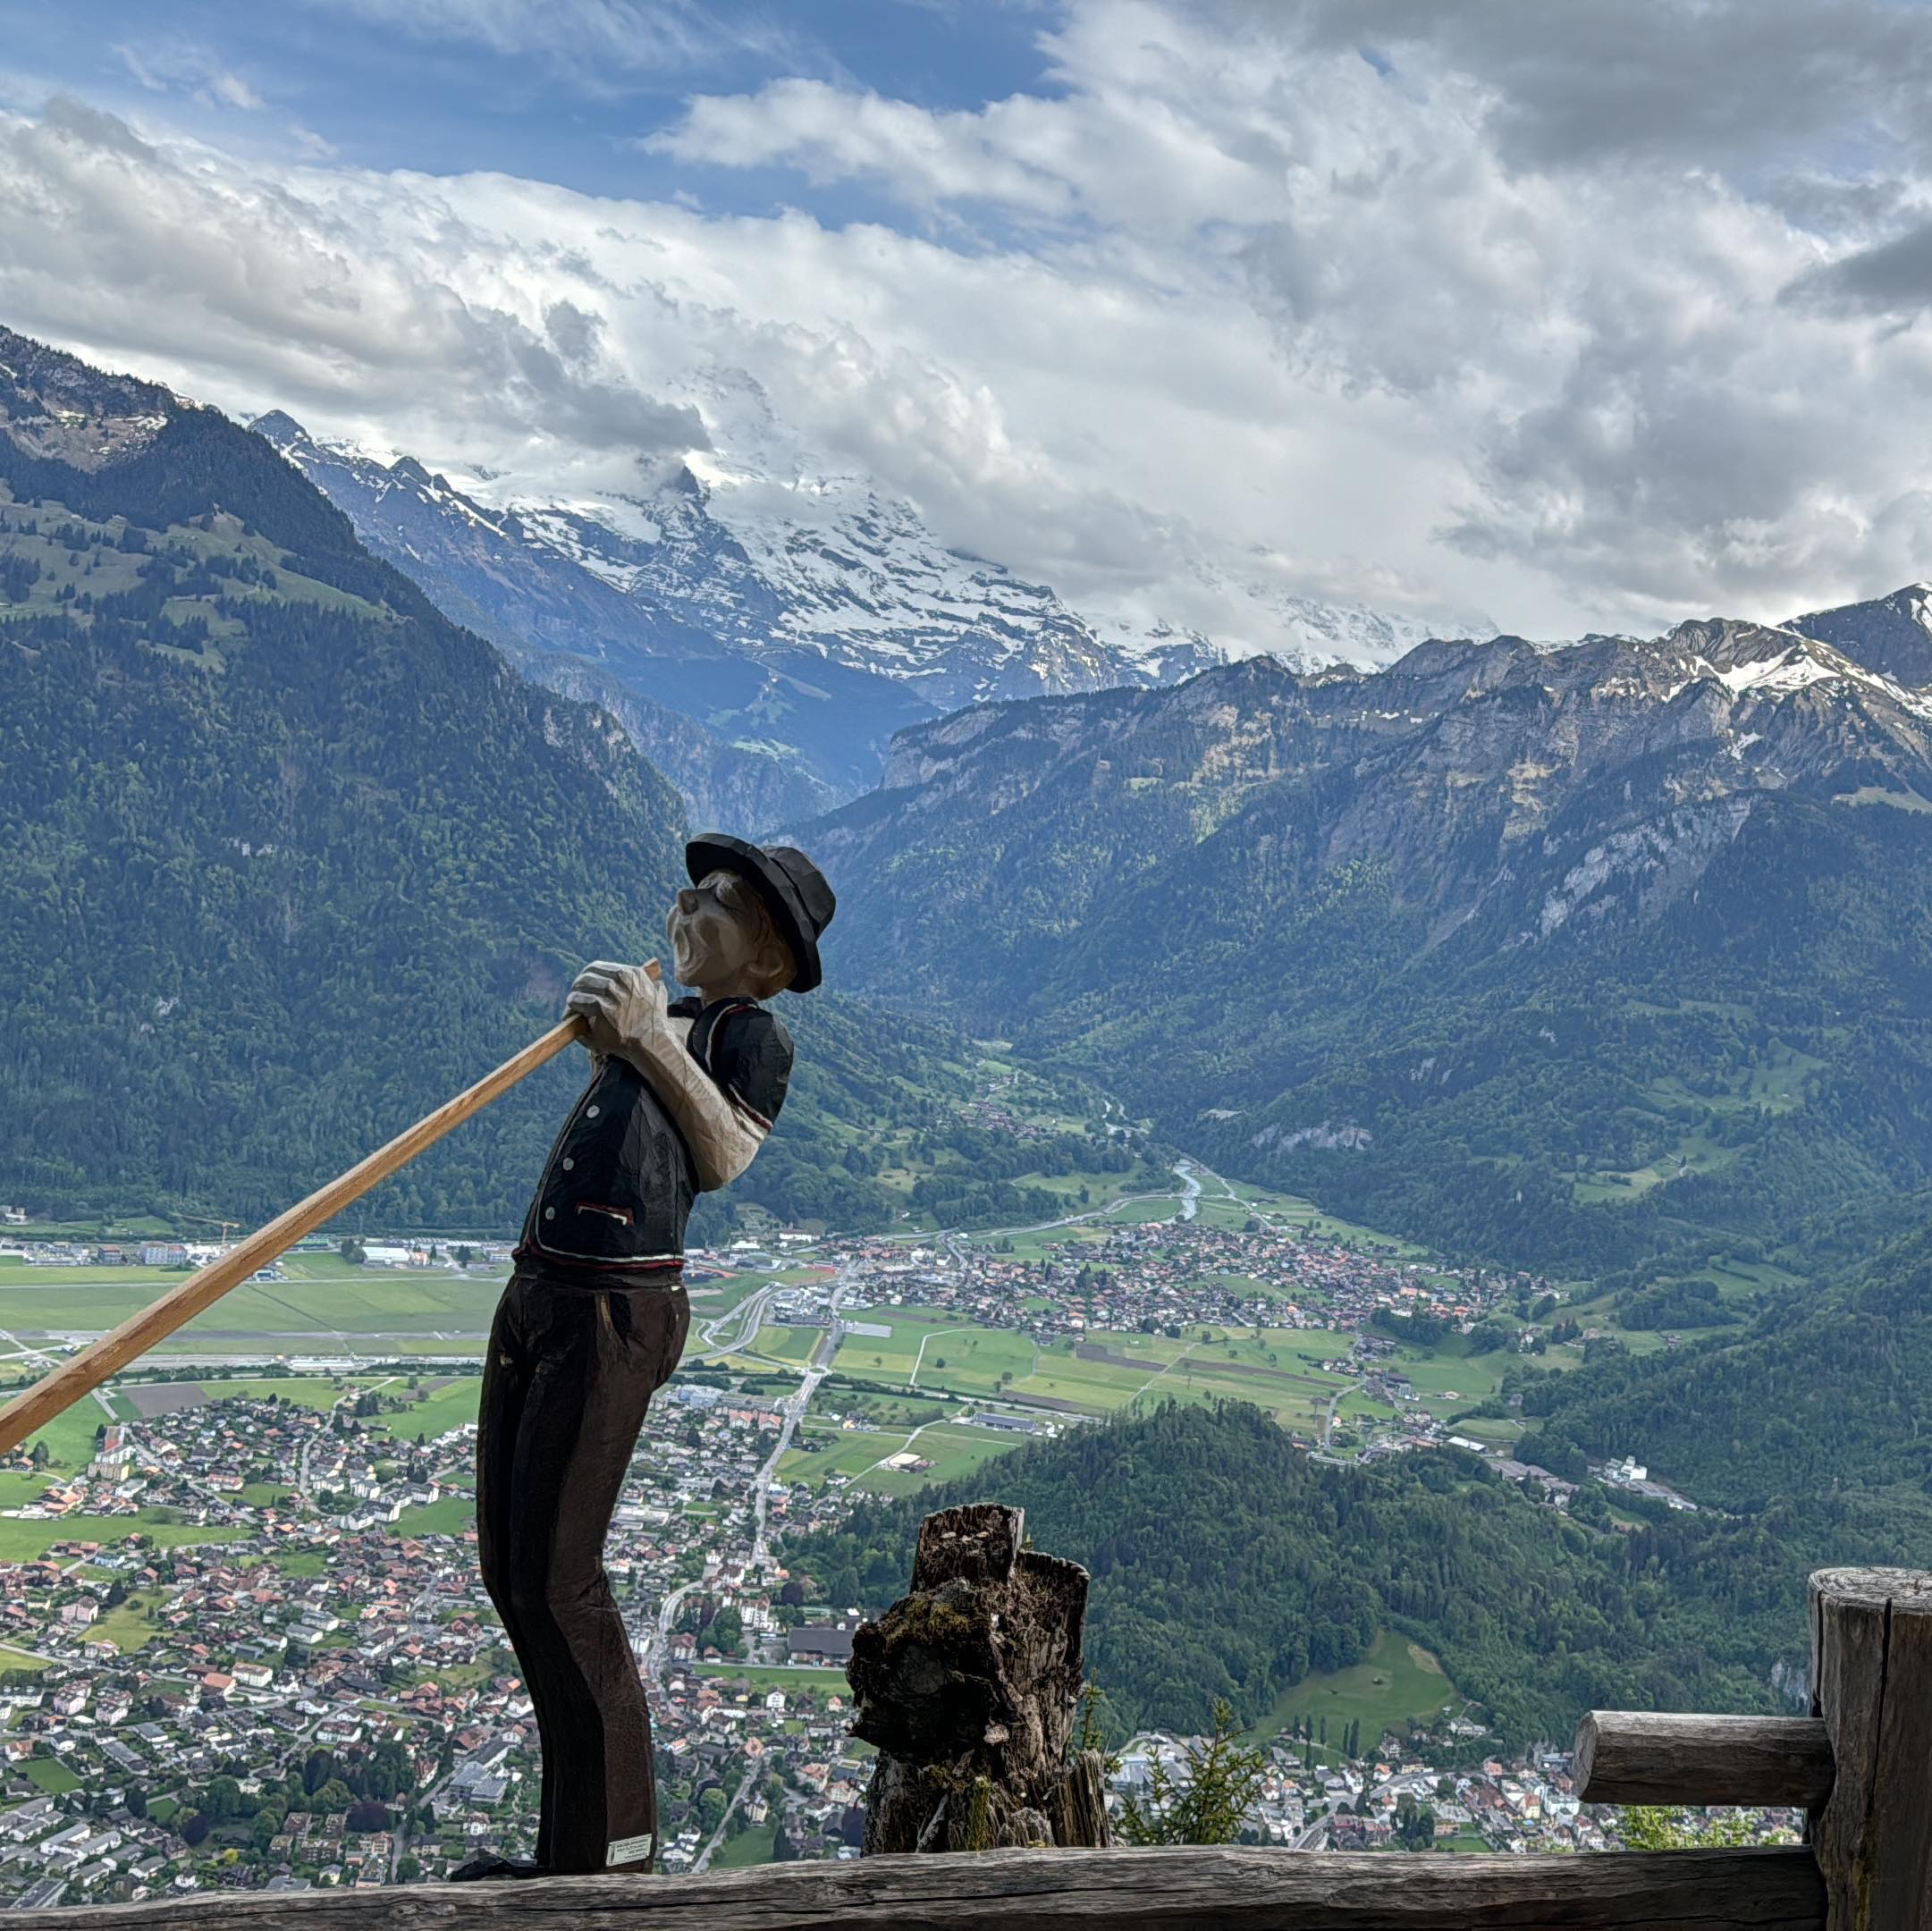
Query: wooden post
[1871,1675]
[968,1687]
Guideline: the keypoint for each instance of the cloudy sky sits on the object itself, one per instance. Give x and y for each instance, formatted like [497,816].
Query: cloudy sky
[1586,315]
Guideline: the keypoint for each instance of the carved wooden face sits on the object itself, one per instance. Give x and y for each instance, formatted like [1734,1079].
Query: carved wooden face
[722,936]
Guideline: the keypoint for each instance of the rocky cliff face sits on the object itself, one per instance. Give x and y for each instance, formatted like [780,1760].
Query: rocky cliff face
[1462,765]
[724,785]
[58,408]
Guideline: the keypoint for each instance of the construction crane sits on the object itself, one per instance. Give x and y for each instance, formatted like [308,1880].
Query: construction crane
[227,1227]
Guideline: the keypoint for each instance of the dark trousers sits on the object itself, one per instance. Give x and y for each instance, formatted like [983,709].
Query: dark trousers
[570,1374]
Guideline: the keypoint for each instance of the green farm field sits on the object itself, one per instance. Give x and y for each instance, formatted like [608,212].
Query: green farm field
[974,1358]
[1444,1382]
[792,1678]
[749,1846]
[836,1451]
[793,1345]
[453,1515]
[953,1447]
[303,1562]
[125,1626]
[952,1450]
[447,1408]
[1499,1432]
[28,1541]
[352,1310]
[306,1391]
[69,1438]
[1102,1188]
[1398,1680]
[1358,1406]
[871,1409]
[1132,1364]
[1277,1370]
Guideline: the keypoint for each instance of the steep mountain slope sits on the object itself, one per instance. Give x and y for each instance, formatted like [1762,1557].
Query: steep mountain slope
[286,856]
[1890,635]
[1225,1563]
[1563,957]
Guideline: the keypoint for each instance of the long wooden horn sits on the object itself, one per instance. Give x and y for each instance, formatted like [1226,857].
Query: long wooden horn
[36,1406]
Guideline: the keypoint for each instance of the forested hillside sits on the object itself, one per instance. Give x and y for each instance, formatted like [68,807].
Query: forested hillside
[286,858]
[1824,1395]
[1226,1563]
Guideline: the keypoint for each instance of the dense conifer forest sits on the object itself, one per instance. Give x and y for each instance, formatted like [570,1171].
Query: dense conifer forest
[1228,1563]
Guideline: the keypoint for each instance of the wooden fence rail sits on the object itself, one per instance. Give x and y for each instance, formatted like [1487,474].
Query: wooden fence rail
[1195,1887]
[1631,1757]
[1860,1765]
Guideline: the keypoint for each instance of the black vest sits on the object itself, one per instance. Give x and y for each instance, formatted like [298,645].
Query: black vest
[617,1186]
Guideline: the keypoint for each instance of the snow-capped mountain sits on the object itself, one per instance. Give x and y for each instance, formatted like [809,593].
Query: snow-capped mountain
[805,643]
[861,584]
[761,544]
[787,606]
[1255,614]
[1891,634]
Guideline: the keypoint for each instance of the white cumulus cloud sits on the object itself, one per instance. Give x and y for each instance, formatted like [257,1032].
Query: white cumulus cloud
[1556,312]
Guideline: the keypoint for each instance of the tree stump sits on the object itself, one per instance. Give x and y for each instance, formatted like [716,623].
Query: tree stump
[967,1686]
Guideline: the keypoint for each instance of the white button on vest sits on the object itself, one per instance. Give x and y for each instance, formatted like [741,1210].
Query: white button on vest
[549,1213]
[591,1112]
[567,1163]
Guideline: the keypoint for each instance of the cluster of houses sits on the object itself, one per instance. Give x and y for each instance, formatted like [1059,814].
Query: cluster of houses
[1391,1797]
[302,1579]
[298,1594]
[1170,1275]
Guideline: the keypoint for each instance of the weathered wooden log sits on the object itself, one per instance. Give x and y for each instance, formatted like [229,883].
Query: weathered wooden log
[967,1686]
[1077,1808]
[1195,1887]
[1631,1757]
[1871,1675]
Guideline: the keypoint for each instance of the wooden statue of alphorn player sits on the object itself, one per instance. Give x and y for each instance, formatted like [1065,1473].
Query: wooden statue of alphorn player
[681,1096]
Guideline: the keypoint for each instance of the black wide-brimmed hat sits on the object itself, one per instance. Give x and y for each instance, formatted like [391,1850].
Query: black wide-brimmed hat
[793,890]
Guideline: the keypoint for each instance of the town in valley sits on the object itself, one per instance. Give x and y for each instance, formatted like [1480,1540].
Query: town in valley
[245,1643]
